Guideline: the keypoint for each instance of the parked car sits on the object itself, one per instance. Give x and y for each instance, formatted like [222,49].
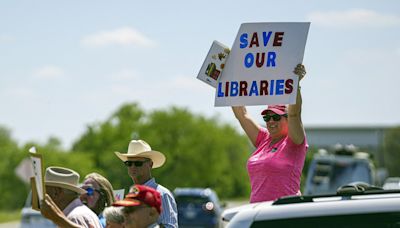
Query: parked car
[355,206]
[31,218]
[198,207]
[343,165]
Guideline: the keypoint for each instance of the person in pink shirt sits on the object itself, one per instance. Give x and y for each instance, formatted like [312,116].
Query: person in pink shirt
[275,166]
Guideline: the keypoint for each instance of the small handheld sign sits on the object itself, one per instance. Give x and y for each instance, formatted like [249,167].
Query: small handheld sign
[119,194]
[214,63]
[37,168]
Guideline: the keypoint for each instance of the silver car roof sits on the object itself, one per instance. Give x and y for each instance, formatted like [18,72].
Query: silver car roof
[324,206]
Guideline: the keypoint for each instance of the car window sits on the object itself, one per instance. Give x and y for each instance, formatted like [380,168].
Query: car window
[375,220]
[182,200]
[327,177]
[347,173]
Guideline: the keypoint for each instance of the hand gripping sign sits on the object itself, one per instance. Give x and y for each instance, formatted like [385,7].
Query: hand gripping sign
[259,69]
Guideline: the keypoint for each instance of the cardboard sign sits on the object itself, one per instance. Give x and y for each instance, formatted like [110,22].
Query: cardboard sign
[214,63]
[35,199]
[260,67]
[37,168]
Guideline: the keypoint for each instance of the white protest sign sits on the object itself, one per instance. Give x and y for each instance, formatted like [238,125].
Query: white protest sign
[260,67]
[37,168]
[213,64]
[119,194]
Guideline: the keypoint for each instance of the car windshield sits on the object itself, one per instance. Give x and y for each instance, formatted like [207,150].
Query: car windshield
[347,173]
[197,200]
[328,177]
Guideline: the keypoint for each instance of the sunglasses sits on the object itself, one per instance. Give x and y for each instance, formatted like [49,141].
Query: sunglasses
[90,191]
[275,117]
[135,163]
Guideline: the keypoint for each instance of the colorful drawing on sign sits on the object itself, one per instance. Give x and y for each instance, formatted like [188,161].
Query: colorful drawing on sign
[214,63]
[212,71]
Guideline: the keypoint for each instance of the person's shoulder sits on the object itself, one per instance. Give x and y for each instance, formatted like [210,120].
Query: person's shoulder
[83,210]
[163,189]
[303,145]
[82,215]
[263,137]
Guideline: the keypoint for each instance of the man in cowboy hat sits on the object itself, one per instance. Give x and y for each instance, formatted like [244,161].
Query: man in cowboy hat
[141,207]
[62,193]
[140,159]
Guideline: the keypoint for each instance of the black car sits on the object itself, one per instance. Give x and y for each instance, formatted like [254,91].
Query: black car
[198,207]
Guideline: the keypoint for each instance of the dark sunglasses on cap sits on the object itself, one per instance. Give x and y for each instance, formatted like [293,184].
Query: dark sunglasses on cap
[275,117]
[90,191]
[135,163]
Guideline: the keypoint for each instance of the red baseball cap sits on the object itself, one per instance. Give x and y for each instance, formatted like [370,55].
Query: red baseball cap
[278,109]
[140,195]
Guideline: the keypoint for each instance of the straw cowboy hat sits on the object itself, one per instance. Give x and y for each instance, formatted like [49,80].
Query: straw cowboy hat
[141,149]
[63,178]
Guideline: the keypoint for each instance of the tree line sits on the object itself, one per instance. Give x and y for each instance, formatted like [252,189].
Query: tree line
[200,152]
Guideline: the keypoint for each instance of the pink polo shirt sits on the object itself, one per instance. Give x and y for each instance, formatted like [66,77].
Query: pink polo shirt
[275,170]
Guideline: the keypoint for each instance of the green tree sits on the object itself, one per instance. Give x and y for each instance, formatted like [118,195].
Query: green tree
[54,155]
[100,140]
[200,152]
[12,189]
[391,150]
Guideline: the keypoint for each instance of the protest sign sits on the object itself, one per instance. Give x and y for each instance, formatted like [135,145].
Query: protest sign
[37,169]
[213,64]
[260,66]
[34,199]
[119,194]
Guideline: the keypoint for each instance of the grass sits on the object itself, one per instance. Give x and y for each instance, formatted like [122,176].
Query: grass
[9,216]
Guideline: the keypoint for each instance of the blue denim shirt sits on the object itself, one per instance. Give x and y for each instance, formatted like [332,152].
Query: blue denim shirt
[169,213]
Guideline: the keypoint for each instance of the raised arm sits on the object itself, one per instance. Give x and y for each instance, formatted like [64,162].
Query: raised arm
[248,124]
[51,211]
[296,129]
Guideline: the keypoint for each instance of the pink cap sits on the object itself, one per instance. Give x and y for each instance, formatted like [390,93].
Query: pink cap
[278,109]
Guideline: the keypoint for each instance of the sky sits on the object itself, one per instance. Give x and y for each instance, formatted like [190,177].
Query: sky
[67,64]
